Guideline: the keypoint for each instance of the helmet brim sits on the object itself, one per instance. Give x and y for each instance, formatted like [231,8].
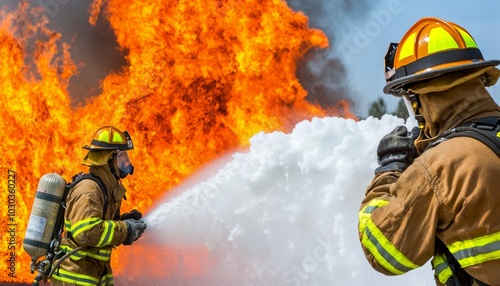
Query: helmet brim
[97,158]
[93,147]
[394,87]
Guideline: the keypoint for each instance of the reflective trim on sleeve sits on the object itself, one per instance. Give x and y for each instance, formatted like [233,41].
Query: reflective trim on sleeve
[387,255]
[366,213]
[86,224]
[477,250]
[441,268]
[67,227]
[108,233]
[83,225]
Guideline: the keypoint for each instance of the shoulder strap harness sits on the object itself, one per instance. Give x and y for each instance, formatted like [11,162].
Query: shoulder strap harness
[91,176]
[487,131]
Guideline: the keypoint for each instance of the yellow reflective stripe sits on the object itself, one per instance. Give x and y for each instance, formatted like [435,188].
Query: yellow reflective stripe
[75,278]
[384,251]
[75,256]
[102,254]
[107,280]
[108,233]
[440,40]
[408,47]
[366,213]
[477,250]
[67,226]
[469,41]
[117,137]
[103,136]
[387,255]
[84,225]
[441,268]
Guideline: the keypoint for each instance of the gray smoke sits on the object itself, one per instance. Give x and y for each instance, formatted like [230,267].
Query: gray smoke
[93,48]
[322,72]
[95,51]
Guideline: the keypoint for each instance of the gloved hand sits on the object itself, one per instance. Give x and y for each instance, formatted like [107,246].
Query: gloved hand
[135,228]
[396,151]
[135,214]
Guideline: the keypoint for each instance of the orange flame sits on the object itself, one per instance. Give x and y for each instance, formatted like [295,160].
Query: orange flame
[202,78]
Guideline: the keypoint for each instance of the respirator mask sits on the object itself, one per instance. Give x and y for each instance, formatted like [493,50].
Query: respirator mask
[125,167]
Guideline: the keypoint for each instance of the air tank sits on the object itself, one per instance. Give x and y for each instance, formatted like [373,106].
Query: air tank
[44,214]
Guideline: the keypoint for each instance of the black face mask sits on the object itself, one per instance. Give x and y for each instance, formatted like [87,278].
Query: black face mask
[124,174]
[124,166]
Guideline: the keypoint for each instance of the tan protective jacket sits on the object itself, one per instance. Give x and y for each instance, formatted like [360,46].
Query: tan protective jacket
[84,221]
[450,192]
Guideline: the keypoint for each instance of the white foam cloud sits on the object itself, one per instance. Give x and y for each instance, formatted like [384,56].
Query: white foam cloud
[283,213]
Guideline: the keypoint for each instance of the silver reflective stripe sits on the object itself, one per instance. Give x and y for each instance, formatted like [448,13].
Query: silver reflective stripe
[386,255]
[478,250]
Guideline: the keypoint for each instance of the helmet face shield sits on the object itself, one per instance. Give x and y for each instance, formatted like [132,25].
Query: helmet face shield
[124,165]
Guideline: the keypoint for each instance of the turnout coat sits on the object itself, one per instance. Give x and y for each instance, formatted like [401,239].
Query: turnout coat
[88,226]
[450,193]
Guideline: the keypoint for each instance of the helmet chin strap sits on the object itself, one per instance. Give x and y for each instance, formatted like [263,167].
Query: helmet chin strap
[414,109]
[411,118]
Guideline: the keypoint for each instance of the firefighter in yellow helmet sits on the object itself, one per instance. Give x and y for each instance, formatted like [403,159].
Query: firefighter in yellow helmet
[435,193]
[93,222]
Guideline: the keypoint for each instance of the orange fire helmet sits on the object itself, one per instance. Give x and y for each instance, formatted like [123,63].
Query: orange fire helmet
[431,47]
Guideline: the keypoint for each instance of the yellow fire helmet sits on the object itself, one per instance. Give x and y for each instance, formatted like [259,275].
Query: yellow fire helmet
[107,140]
[110,138]
[431,47]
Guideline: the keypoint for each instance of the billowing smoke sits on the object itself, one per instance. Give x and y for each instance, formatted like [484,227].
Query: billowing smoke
[322,72]
[93,47]
[95,51]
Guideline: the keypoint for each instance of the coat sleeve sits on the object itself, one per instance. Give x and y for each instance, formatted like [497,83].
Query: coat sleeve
[84,218]
[397,220]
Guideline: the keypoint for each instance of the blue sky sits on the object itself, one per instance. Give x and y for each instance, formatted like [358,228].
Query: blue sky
[363,46]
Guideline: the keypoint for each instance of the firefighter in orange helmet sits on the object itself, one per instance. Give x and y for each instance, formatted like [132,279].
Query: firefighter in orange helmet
[93,222]
[433,196]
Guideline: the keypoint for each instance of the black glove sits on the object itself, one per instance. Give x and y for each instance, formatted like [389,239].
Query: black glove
[396,151]
[135,228]
[135,214]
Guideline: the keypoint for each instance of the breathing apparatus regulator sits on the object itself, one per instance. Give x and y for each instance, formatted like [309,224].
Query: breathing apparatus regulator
[46,224]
